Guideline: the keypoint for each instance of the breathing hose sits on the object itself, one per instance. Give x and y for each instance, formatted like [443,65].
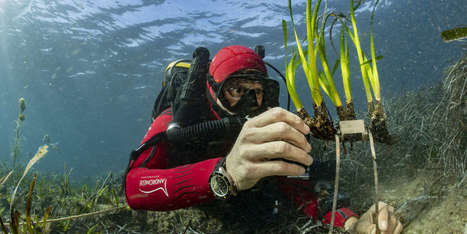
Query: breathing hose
[222,129]
[225,128]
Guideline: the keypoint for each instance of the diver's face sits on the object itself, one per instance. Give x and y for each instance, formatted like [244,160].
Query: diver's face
[234,89]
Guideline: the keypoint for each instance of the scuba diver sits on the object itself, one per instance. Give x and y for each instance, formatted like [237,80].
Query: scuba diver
[181,164]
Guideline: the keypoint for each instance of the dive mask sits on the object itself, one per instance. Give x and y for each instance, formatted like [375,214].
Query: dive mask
[247,105]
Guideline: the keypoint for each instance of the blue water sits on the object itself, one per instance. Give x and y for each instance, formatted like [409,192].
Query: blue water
[90,70]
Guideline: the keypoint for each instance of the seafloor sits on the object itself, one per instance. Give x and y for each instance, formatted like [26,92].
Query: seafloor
[422,176]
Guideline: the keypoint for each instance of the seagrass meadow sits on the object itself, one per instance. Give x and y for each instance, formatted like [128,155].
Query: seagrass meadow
[423,176]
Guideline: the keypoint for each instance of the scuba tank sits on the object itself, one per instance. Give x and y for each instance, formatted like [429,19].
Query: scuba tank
[190,105]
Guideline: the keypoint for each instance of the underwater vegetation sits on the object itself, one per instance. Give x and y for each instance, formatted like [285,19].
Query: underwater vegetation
[53,193]
[425,171]
[19,124]
[423,176]
[454,34]
[51,203]
[321,125]
[322,79]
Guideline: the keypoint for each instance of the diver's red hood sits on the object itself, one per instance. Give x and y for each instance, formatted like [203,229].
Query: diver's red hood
[234,58]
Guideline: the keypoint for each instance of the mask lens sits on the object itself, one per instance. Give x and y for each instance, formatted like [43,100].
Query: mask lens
[237,92]
[238,89]
[247,93]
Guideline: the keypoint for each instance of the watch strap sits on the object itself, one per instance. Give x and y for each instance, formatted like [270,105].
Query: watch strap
[233,186]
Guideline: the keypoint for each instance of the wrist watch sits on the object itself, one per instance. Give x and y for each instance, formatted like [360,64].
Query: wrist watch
[221,183]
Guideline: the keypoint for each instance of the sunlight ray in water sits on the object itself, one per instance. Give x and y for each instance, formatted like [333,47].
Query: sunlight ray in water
[25,10]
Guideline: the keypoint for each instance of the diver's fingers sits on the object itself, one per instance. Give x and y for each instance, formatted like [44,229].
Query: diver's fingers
[392,225]
[381,205]
[278,150]
[383,218]
[278,114]
[365,227]
[279,131]
[398,228]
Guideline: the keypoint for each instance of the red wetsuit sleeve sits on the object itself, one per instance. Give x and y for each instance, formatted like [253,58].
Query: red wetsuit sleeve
[157,187]
[341,215]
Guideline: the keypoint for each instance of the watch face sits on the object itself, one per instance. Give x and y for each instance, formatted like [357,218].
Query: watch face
[219,185]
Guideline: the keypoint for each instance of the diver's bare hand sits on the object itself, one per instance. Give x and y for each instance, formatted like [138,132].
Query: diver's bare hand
[275,134]
[387,221]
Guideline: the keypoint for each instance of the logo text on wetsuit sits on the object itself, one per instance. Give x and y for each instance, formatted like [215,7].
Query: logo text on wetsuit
[161,184]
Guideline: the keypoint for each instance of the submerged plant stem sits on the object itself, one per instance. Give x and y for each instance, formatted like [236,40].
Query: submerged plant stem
[77,216]
[336,183]
[29,224]
[4,229]
[19,124]
[375,175]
